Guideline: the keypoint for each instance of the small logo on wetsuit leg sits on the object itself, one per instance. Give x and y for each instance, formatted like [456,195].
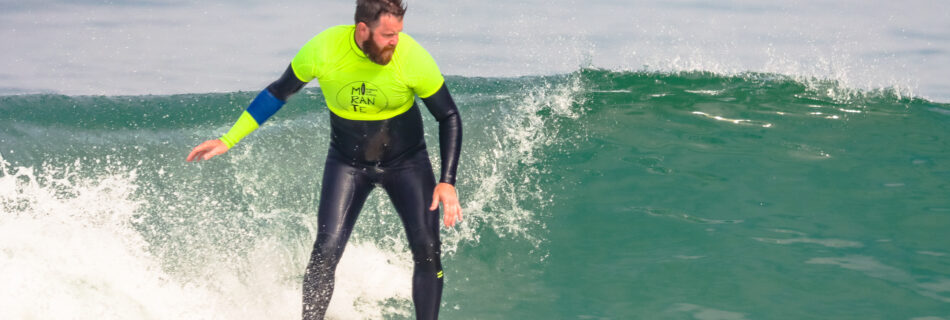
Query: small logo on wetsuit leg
[439,275]
[362,97]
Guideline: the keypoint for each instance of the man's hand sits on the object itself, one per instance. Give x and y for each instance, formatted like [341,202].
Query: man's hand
[207,150]
[445,193]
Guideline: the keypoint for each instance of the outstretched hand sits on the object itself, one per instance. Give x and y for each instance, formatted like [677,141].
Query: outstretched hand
[446,194]
[207,150]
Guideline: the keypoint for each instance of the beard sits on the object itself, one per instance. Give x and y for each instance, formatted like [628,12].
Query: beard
[380,56]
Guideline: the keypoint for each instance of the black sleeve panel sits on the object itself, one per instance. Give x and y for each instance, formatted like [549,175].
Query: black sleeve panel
[287,85]
[443,108]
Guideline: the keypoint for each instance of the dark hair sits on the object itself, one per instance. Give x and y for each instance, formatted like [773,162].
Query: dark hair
[369,11]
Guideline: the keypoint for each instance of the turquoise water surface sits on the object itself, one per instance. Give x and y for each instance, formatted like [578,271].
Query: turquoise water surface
[622,160]
[589,195]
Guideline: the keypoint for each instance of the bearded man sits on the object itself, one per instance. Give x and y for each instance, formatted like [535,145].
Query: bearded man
[369,74]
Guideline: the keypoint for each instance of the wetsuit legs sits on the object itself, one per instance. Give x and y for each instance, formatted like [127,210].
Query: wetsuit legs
[422,229]
[409,183]
[344,191]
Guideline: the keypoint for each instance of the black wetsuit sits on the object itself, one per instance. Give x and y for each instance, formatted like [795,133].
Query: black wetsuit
[392,154]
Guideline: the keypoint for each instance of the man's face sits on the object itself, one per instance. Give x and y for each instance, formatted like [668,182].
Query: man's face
[381,44]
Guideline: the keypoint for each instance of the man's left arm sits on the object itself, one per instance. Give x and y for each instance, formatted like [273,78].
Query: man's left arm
[443,108]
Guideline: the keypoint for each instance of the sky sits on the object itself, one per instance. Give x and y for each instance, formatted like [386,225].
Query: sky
[165,47]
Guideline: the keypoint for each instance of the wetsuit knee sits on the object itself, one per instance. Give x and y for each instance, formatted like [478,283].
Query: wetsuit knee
[427,279]
[428,256]
[328,249]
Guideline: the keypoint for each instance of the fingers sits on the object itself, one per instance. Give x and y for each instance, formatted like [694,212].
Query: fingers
[445,193]
[449,221]
[198,152]
[195,154]
[435,201]
[206,150]
[453,213]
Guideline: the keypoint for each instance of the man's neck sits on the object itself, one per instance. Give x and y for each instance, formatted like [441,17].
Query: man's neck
[356,38]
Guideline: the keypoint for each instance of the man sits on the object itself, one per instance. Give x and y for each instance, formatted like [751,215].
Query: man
[370,73]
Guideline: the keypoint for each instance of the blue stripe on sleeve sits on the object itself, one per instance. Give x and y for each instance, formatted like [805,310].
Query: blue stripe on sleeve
[264,106]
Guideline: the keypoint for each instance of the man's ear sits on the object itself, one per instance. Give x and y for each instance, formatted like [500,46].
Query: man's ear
[362,29]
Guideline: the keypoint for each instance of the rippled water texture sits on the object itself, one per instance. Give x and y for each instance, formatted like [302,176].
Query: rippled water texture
[622,160]
[593,195]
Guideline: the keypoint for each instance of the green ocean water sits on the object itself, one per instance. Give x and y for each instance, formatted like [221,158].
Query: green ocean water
[591,195]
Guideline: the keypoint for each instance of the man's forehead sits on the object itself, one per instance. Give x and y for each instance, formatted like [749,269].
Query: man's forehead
[389,23]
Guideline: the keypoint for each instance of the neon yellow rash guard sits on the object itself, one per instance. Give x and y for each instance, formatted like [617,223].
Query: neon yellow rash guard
[356,88]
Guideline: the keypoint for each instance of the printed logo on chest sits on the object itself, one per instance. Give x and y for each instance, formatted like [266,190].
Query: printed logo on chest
[362,97]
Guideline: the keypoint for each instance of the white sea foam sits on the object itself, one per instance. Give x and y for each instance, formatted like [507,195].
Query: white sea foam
[69,249]
[507,174]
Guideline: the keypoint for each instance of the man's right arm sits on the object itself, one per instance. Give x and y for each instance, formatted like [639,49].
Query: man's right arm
[264,106]
[261,108]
